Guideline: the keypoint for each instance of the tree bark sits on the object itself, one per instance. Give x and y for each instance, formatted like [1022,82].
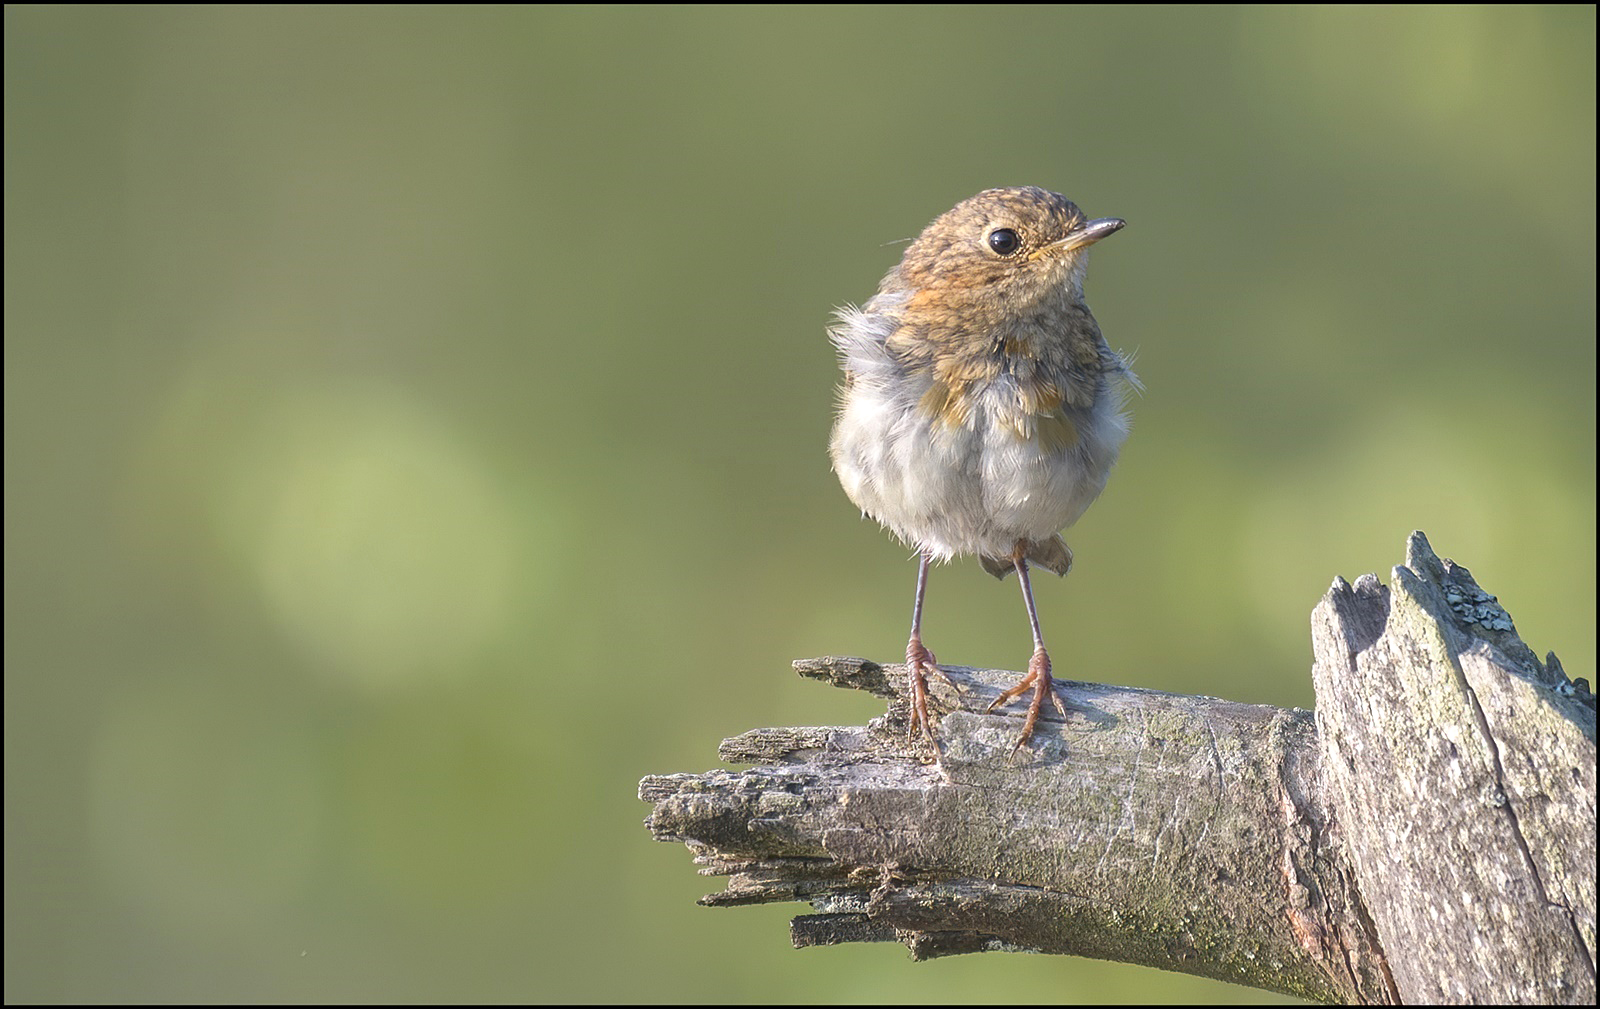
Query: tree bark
[1463,770]
[1427,835]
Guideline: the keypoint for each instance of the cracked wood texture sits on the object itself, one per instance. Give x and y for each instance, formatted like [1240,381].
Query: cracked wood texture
[1463,772]
[1374,852]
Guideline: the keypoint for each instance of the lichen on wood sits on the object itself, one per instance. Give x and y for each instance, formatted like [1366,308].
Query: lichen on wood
[1447,776]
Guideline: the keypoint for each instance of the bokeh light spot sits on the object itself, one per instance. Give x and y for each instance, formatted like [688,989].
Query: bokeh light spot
[378,539]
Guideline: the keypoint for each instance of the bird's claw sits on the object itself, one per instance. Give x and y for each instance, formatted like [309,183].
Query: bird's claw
[1043,686]
[920,662]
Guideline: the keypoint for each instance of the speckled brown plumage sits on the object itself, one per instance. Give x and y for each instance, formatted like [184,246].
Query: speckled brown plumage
[981,407]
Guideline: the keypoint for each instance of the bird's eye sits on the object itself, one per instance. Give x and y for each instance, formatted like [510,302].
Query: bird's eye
[1004,241]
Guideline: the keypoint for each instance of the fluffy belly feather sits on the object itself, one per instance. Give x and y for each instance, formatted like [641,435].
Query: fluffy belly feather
[974,488]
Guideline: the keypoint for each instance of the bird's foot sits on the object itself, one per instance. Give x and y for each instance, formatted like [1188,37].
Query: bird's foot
[1043,686]
[919,663]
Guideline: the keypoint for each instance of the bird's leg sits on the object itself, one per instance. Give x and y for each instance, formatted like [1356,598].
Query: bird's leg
[920,662]
[1038,667]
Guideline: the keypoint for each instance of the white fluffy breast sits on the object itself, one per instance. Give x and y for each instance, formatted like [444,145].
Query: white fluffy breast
[977,487]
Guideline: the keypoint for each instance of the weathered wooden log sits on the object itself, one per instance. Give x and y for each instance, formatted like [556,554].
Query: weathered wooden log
[1463,772]
[1428,835]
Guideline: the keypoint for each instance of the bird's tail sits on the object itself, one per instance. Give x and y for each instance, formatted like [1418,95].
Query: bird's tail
[1052,554]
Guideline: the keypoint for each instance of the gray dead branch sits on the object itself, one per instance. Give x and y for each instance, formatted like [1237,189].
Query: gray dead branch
[1428,835]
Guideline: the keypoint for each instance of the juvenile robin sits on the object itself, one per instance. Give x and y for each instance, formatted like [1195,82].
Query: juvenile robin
[981,409]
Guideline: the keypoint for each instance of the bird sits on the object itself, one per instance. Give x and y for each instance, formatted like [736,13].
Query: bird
[981,410]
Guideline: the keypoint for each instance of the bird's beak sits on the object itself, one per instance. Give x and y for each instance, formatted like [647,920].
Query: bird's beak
[1088,233]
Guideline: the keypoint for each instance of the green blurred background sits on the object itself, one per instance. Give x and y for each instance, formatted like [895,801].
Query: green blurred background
[415,430]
